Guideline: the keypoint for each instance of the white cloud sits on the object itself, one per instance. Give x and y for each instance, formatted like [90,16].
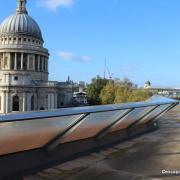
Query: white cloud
[73,57]
[66,55]
[54,4]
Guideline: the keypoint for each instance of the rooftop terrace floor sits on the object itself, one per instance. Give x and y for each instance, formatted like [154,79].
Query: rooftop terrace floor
[141,158]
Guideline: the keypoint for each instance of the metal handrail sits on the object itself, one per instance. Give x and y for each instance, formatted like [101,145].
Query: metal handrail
[80,110]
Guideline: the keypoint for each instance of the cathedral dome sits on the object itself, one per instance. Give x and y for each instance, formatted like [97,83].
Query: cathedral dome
[21,23]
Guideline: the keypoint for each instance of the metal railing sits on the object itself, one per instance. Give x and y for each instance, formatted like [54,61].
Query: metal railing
[60,134]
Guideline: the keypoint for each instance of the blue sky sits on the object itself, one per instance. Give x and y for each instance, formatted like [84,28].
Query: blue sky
[139,38]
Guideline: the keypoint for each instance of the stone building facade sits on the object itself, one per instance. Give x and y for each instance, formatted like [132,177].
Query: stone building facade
[24,84]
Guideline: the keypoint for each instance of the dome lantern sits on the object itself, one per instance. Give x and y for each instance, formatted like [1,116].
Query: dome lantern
[21,7]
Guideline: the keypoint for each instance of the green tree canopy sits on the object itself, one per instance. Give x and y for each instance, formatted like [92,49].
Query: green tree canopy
[138,95]
[108,93]
[104,91]
[94,90]
[122,94]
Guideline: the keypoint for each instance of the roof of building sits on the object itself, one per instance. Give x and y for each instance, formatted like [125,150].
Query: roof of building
[141,158]
[20,23]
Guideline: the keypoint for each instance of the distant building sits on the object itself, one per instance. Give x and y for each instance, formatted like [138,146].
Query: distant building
[24,82]
[147,85]
[163,91]
[80,96]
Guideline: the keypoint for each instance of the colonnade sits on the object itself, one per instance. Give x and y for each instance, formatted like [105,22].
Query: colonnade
[25,101]
[23,61]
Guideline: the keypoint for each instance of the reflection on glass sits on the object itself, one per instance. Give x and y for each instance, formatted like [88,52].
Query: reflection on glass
[131,118]
[155,113]
[93,124]
[31,134]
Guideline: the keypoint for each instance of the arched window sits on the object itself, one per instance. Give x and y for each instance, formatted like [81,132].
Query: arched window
[15,103]
[32,103]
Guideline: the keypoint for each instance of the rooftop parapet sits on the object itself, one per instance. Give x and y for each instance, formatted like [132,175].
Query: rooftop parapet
[41,138]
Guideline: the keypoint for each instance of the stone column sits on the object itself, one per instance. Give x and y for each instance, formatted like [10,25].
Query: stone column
[24,102]
[3,102]
[22,55]
[49,101]
[34,59]
[28,103]
[52,100]
[7,102]
[10,61]
[55,101]
[42,65]
[2,63]
[47,65]
[38,63]
[28,61]
[5,98]
[15,63]
[36,103]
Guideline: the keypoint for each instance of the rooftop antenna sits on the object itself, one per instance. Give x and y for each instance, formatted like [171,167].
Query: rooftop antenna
[110,74]
[69,79]
[105,68]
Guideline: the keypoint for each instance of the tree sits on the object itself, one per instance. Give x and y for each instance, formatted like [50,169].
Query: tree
[126,82]
[118,91]
[94,90]
[138,95]
[104,91]
[122,94]
[107,94]
[115,92]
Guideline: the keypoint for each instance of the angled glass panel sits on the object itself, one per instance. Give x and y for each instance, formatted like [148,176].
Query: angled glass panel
[154,101]
[131,118]
[93,124]
[154,113]
[31,134]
